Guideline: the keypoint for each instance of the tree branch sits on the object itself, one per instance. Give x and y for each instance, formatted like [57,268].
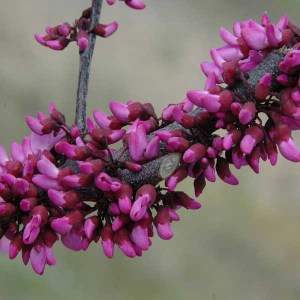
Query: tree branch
[84,68]
[155,171]
[151,171]
[270,64]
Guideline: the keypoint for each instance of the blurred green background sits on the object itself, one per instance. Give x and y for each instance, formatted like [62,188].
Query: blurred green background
[243,244]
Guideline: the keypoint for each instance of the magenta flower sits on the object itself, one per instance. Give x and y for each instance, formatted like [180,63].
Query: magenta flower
[140,233]
[122,239]
[106,30]
[135,4]
[162,223]
[82,40]
[107,237]
[58,37]
[145,197]
[65,224]
[137,141]
[39,218]
[39,256]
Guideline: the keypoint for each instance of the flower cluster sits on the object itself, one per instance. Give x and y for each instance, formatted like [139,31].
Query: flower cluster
[59,37]
[67,183]
[63,183]
[259,106]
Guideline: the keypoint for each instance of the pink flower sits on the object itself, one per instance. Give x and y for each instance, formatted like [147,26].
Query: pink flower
[247,113]
[137,141]
[126,113]
[40,255]
[194,153]
[162,223]
[106,121]
[232,138]
[139,233]
[58,45]
[120,221]
[39,218]
[253,136]
[122,239]
[105,183]
[263,88]
[90,225]
[107,236]
[110,2]
[145,197]
[124,195]
[286,144]
[135,4]
[64,29]
[254,35]
[82,40]
[63,199]
[173,180]
[65,224]
[224,173]
[73,239]
[15,246]
[106,30]
[7,209]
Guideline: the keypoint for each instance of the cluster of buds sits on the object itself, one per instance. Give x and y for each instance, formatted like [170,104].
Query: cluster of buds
[259,106]
[63,183]
[59,37]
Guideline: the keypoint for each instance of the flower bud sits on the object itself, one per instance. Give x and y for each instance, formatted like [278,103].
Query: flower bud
[82,40]
[105,30]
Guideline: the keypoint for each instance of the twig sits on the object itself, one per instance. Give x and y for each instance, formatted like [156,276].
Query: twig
[154,171]
[268,65]
[84,68]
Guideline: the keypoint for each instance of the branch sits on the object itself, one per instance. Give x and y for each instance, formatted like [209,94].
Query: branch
[150,173]
[85,66]
[153,172]
[161,168]
[270,64]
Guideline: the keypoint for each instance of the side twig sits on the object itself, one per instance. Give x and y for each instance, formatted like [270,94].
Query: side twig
[84,68]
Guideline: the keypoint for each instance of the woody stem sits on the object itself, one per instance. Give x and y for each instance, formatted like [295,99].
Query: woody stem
[85,67]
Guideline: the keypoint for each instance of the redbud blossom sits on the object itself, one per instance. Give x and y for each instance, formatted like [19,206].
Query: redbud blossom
[64,183]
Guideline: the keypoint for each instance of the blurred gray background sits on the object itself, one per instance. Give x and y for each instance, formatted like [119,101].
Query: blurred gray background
[243,244]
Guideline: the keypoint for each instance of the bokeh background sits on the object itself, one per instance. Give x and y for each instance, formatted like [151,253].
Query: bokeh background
[243,244]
